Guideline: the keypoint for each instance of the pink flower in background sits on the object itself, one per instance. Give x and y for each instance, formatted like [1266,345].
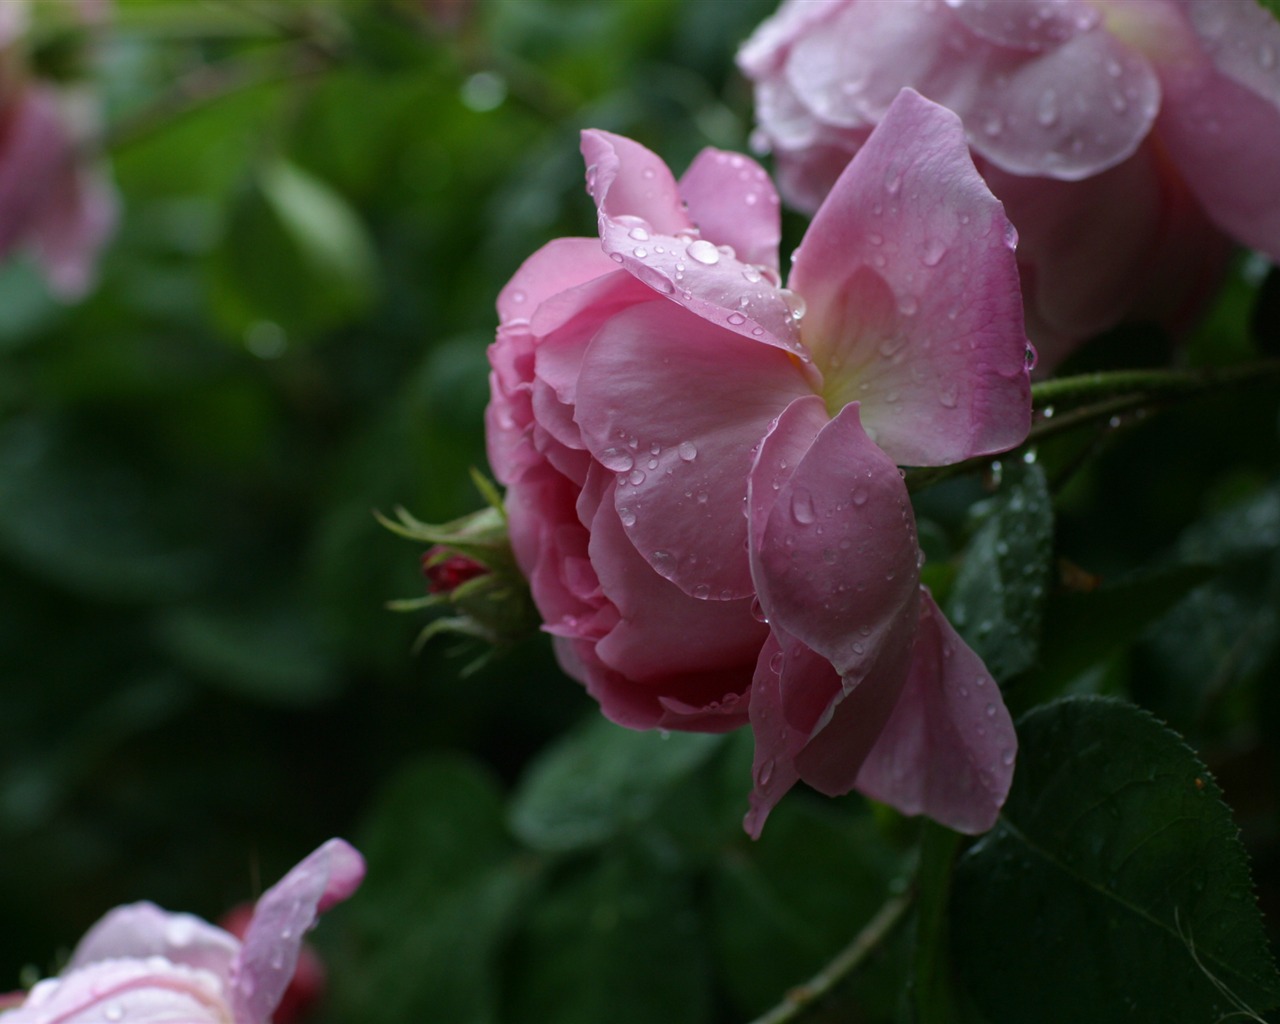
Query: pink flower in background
[55,199]
[1128,139]
[141,964]
[702,465]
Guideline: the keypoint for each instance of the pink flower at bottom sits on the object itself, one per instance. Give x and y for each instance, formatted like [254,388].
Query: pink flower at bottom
[143,965]
[701,465]
[1129,140]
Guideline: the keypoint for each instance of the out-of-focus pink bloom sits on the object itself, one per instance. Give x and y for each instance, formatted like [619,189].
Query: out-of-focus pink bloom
[1128,139]
[144,965]
[702,465]
[55,199]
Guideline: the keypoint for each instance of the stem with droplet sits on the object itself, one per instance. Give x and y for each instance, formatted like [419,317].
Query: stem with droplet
[1094,397]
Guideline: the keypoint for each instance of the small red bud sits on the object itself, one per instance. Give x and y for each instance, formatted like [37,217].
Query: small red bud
[446,572]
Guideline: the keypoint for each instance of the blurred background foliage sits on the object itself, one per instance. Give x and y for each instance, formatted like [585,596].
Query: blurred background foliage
[321,200]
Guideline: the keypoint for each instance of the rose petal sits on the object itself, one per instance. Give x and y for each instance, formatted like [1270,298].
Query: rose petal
[282,917]
[145,991]
[558,266]
[949,748]
[913,294]
[1026,25]
[141,930]
[1066,112]
[732,200]
[835,564]
[765,50]
[662,631]
[663,249]
[674,405]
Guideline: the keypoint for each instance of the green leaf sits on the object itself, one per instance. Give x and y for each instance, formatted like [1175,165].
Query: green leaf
[600,780]
[1114,887]
[1271,5]
[617,940]
[295,259]
[999,593]
[438,902]
[1084,628]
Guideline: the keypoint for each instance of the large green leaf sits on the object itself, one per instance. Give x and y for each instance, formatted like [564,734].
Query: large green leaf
[1114,887]
[599,780]
[1000,590]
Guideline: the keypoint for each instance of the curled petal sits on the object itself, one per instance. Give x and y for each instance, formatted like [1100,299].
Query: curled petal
[663,249]
[949,747]
[914,302]
[732,200]
[281,918]
[1029,25]
[674,405]
[142,930]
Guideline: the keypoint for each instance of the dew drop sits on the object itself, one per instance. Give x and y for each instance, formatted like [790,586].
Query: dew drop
[934,250]
[765,773]
[949,395]
[704,252]
[636,477]
[860,496]
[616,257]
[702,591]
[737,319]
[113,1012]
[639,253]
[775,663]
[802,507]
[991,711]
[627,516]
[1006,757]
[757,610]
[639,234]
[1047,109]
[617,459]
[687,451]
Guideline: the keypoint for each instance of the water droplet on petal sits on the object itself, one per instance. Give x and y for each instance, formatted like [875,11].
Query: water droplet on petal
[617,459]
[949,395]
[627,516]
[702,591]
[1006,757]
[1047,109]
[639,234]
[737,319]
[802,507]
[704,252]
[775,663]
[113,1012]
[934,250]
[687,451]
[636,478]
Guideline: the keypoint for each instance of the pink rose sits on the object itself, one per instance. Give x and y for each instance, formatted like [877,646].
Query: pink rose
[1128,139]
[54,198]
[702,465]
[141,964]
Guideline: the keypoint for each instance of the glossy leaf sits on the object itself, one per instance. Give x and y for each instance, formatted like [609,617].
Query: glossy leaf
[1114,887]
[599,780]
[999,593]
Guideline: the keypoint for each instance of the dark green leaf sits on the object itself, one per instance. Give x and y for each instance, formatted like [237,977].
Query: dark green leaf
[617,941]
[439,900]
[1114,887]
[599,780]
[999,593]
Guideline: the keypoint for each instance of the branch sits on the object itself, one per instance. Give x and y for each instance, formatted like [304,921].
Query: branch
[878,929]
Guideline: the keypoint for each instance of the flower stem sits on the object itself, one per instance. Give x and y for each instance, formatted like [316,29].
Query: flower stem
[1102,397]
[879,928]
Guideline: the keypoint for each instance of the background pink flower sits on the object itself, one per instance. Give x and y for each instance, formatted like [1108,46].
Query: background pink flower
[1128,139]
[650,388]
[142,964]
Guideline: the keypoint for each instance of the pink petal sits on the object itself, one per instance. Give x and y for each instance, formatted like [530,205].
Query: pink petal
[282,917]
[79,217]
[732,200]
[556,267]
[151,991]
[948,751]
[766,49]
[1065,112]
[913,294]
[141,930]
[1028,25]
[1225,139]
[674,405]
[1242,41]
[662,631]
[34,148]
[642,231]
[833,547]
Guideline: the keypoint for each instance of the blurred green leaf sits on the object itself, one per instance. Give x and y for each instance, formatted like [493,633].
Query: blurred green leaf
[999,592]
[600,780]
[1114,887]
[613,940]
[294,255]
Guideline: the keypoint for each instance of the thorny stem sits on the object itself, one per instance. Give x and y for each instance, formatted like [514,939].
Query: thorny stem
[1102,397]
[879,928]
